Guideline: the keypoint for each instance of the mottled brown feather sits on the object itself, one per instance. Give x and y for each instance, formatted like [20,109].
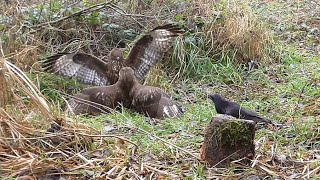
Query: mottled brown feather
[151,48]
[101,99]
[152,101]
[145,53]
[85,68]
[128,91]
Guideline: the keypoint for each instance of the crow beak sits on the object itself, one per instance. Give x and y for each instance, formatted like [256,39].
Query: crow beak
[211,97]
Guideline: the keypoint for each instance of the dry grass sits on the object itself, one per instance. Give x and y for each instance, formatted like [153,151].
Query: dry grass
[25,43]
[239,31]
[29,147]
[218,31]
[27,151]
[76,150]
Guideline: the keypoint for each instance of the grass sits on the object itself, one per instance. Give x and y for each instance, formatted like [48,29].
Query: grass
[280,102]
[285,90]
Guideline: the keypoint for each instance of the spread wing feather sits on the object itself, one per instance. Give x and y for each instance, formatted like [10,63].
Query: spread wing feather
[81,104]
[151,48]
[146,97]
[88,69]
[84,67]
[92,100]
[156,103]
[170,108]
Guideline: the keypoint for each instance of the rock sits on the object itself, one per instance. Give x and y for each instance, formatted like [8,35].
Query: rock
[228,139]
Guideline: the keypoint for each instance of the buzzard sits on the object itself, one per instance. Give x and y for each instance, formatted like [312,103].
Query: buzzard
[128,91]
[233,109]
[101,99]
[88,69]
[152,101]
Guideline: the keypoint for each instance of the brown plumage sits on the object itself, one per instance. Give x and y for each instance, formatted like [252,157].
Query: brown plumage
[146,52]
[101,99]
[150,101]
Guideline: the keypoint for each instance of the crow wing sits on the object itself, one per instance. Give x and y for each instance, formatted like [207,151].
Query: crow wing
[232,109]
[252,115]
[84,67]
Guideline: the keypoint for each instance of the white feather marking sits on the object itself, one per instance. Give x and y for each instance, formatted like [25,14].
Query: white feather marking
[171,111]
[166,111]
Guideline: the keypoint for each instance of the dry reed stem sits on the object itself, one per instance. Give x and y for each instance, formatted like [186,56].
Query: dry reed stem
[3,85]
[28,151]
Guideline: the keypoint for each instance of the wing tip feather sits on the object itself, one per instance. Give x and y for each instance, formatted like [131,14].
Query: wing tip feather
[174,28]
[49,62]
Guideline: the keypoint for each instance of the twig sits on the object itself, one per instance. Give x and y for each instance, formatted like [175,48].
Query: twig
[114,136]
[160,166]
[123,12]
[314,171]
[267,169]
[1,49]
[36,138]
[138,15]
[181,149]
[316,3]
[225,158]
[74,14]
[160,171]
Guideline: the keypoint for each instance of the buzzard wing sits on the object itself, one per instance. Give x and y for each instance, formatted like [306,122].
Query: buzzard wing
[170,108]
[151,48]
[146,96]
[82,104]
[84,67]
[155,103]
[93,100]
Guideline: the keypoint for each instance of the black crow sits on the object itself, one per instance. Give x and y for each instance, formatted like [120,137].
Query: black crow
[233,109]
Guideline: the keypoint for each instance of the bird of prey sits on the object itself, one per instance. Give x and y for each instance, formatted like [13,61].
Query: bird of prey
[152,101]
[233,109]
[88,69]
[101,99]
[148,100]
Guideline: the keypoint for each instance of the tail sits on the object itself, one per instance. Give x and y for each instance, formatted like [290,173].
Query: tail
[258,119]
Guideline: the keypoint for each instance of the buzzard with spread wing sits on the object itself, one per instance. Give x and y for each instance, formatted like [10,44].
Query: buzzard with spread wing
[128,91]
[146,52]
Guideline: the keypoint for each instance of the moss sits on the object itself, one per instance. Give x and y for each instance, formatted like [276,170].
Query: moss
[233,132]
